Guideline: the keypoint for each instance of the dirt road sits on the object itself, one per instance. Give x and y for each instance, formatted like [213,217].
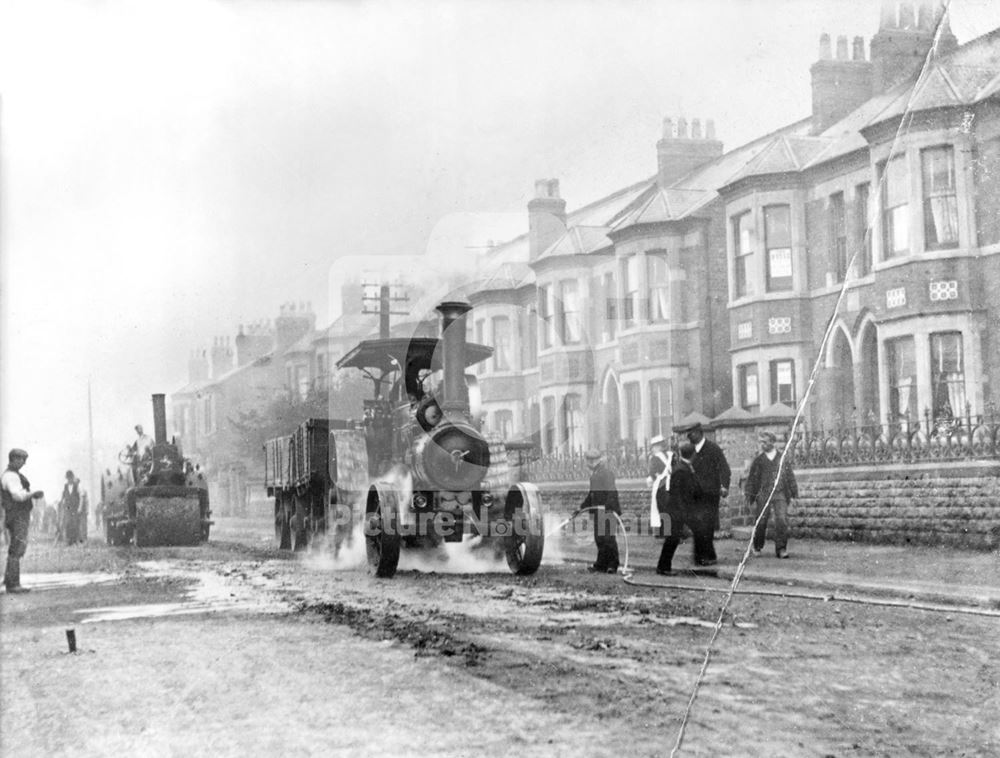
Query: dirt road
[236,649]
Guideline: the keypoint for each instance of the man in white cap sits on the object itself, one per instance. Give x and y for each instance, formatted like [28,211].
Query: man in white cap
[16,493]
[658,481]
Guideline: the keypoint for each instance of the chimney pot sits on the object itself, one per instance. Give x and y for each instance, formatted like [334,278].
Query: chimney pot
[841,48]
[710,129]
[668,128]
[696,129]
[824,47]
[925,15]
[889,14]
[682,128]
[906,16]
[859,49]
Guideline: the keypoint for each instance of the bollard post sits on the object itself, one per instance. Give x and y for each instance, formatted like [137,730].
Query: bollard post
[71,639]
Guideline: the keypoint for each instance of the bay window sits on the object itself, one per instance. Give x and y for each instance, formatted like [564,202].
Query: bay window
[902,365]
[661,409]
[743,241]
[548,424]
[610,308]
[572,422]
[502,360]
[940,198]
[658,286]
[895,208]
[749,391]
[633,412]
[838,237]
[630,290]
[546,317]
[783,382]
[863,237]
[947,375]
[778,247]
[569,315]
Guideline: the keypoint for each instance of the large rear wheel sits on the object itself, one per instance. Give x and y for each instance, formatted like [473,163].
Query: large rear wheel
[382,538]
[525,541]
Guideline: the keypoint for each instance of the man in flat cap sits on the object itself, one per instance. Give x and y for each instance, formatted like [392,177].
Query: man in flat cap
[711,472]
[15,491]
[770,486]
[601,502]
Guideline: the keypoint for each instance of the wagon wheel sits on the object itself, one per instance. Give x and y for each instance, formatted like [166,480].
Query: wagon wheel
[300,522]
[382,531]
[525,540]
[282,527]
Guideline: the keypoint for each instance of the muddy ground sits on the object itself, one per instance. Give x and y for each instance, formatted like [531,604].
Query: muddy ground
[235,648]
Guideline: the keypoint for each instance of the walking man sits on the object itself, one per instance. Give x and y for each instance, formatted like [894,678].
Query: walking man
[16,493]
[683,507]
[711,472]
[770,486]
[602,501]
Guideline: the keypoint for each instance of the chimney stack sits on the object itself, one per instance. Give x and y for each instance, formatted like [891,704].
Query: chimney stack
[292,324]
[221,357]
[904,39]
[253,342]
[839,85]
[546,217]
[678,155]
[197,366]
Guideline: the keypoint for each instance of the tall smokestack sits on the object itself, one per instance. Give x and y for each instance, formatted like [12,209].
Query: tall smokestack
[456,394]
[159,419]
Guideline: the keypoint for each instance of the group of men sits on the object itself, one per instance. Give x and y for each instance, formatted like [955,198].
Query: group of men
[687,487]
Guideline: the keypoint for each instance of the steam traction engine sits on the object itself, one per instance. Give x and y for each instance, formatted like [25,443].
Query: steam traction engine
[417,471]
[161,500]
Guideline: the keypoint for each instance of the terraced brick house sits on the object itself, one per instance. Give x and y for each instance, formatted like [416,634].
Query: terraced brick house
[709,287]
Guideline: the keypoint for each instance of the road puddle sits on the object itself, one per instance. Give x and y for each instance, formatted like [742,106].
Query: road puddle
[208,593]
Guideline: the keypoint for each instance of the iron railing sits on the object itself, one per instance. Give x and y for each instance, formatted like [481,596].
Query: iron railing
[950,438]
[627,461]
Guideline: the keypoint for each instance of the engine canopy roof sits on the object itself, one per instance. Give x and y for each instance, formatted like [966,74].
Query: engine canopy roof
[416,354]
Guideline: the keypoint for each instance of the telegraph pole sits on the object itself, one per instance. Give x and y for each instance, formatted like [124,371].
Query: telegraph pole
[382,303]
[90,431]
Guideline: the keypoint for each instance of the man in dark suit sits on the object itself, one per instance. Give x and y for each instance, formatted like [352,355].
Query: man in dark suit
[711,472]
[682,507]
[601,502]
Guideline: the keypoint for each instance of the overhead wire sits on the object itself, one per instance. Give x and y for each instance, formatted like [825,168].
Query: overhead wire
[902,128]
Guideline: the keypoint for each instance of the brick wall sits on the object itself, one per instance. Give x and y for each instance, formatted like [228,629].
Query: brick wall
[939,504]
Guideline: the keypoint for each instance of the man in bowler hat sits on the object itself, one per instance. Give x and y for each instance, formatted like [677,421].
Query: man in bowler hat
[712,474]
[602,501]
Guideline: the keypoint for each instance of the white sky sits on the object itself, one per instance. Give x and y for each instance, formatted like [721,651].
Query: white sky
[171,169]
